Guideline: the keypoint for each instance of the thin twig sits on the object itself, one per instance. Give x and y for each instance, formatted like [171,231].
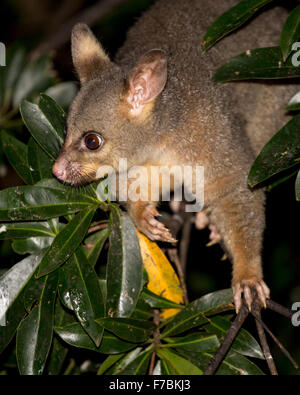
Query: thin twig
[256,308]
[93,229]
[278,308]
[173,254]
[185,241]
[156,340]
[152,362]
[228,339]
[279,344]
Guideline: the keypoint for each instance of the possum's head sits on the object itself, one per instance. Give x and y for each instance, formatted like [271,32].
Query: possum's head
[108,118]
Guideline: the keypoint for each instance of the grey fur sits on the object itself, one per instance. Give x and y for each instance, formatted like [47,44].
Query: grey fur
[194,121]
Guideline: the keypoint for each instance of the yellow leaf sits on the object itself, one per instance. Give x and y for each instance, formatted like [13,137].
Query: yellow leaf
[163,280]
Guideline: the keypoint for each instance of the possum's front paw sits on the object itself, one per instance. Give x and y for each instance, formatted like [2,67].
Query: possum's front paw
[151,227]
[247,287]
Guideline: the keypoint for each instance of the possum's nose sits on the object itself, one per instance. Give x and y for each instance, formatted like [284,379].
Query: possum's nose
[59,169]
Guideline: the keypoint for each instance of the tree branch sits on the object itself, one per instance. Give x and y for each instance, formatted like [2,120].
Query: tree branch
[228,340]
[256,308]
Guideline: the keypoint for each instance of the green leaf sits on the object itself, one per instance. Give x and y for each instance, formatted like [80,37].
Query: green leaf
[195,342]
[259,63]
[231,20]
[142,311]
[94,245]
[280,153]
[81,281]
[59,349]
[233,364]
[63,93]
[32,245]
[55,114]
[132,330]
[290,32]
[177,364]
[294,103]
[10,322]
[41,121]
[40,165]
[138,366]
[36,77]
[74,335]
[34,334]
[66,242]
[158,302]
[16,153]
[35,203]
[244,343]
[194,314]
[297,186]
[24,229]
[109,362]
[124,268]
[33,292]
[13,281]
[118,367]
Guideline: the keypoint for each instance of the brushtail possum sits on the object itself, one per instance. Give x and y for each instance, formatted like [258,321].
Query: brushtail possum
[156,105]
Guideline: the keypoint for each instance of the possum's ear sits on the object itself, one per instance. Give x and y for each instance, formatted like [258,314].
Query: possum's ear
[87,53]
[147,80]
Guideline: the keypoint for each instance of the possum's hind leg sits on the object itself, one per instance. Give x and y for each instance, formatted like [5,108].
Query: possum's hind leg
[202,222]
[239,216]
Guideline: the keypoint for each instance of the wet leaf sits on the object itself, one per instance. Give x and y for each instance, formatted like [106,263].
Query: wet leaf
[81,281]
[280,153]
[158,302]
[259,63]
[10,322]
[294,103]
[13,281]
[231,20]
[195,342]
[244,343]
[32,245]
[59,350]
[194,314]
[178,365]
[34,334]
[290,32]
[233,364]
[66,242]
[45,123]
[16,230]
[94,245]
[132,330]
[16,153]
[118,367]
[74,335]
[138,366]
[40,165]
[124,267]
[109,362]
[34,203]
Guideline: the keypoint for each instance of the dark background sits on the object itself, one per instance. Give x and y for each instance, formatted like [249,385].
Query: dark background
[35,24]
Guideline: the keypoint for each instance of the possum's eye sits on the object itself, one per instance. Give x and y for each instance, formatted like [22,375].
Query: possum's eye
[93,141]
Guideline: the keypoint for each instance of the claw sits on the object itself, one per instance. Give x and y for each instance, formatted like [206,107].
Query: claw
[153,228]
[246,287]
